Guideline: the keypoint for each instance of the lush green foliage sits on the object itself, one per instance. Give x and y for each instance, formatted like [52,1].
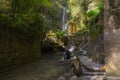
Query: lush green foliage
[86,14]
[93,13]
[93,26]
[62,35]
[36,17]
[96,11]
[33,17]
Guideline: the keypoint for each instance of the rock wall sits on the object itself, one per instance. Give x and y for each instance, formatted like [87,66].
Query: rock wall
[16,48]
[96,48]
[112,35]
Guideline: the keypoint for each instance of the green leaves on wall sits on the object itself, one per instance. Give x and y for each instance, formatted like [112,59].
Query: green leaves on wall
[96,11]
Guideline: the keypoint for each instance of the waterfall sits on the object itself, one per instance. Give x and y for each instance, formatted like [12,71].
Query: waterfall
[64,27]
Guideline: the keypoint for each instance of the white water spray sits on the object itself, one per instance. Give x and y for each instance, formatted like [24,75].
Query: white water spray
[72,46]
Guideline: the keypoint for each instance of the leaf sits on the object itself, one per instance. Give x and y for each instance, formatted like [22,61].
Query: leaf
[100,6]
[93,13]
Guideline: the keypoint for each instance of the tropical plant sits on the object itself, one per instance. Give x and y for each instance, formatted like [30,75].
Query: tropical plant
[96,11]
[93,27]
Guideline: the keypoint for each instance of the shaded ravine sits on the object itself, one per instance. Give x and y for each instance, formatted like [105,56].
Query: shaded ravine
[47,68]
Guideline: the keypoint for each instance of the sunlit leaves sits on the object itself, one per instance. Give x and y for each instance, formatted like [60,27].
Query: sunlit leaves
[4,5]
[60,34]
[96,11]
[75,11]
[93,27]
[78,9]
[93,12]
[24,15]
[45,3]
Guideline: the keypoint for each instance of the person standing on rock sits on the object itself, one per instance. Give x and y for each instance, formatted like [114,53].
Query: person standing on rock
[67,55]
[76,67]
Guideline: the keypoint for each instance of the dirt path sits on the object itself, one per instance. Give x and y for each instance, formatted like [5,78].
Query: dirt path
[46,69]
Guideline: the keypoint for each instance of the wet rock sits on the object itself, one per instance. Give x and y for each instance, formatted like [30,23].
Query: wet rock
[61,78]
[35,78]
[74,78]
[113,78]
[67,74]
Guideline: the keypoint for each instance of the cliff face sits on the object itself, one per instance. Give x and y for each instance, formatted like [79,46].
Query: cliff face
[16,48]
[112,35]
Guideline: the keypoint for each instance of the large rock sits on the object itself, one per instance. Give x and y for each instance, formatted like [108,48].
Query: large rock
[112,35]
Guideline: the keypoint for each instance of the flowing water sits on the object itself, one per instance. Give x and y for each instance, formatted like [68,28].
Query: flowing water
[64,26]
[48,68]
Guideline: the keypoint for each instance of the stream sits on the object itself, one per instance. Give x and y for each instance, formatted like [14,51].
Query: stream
[47,68]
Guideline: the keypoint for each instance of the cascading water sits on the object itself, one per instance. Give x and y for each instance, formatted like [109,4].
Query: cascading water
[64,27]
